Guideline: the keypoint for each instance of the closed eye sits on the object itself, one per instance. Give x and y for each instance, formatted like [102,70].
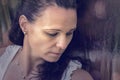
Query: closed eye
[52,34]
[70,32]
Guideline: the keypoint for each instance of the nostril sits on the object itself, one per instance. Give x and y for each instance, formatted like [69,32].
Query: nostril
[63,42]
[62,45]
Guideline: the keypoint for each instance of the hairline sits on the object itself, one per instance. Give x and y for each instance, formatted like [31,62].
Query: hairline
[53,4]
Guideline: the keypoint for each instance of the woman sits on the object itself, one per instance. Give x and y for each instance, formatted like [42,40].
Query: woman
[40,34]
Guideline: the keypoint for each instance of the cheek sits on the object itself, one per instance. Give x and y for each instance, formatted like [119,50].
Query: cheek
[69,39]
[39,45]
[38,39]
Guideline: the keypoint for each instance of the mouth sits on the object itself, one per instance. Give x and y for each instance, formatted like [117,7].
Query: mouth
[55,53]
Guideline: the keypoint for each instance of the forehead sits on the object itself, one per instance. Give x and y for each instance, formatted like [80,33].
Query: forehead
[57,14]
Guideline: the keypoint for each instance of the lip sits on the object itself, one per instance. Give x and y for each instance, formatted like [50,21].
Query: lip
[55,53]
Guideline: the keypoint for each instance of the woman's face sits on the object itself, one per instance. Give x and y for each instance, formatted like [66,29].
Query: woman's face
[49,35]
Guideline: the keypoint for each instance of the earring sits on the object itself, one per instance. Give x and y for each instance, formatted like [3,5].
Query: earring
[25,33]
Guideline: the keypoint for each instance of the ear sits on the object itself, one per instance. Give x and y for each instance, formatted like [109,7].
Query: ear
[24,23]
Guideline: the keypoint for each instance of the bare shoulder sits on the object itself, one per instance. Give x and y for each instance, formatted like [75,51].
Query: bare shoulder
[81,74]
[2,49]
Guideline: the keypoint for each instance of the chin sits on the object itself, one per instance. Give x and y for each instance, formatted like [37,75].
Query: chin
[52,60]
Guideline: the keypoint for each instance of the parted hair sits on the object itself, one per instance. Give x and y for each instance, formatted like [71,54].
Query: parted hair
[31,8]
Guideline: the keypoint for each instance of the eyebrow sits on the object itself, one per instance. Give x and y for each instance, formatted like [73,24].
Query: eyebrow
[61,30]
[73,29]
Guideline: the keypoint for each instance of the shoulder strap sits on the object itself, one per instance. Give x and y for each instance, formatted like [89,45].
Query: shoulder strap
[73,65]
[6,58]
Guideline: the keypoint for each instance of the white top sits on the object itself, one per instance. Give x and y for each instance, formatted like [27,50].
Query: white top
[11,51]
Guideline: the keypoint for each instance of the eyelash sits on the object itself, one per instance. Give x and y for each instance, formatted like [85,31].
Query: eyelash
[69,34]
[52,34]
[55,34]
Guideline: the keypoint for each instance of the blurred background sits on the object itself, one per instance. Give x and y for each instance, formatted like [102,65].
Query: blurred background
[100,27]
[7,12]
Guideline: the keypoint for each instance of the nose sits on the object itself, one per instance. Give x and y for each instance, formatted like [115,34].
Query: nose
[62,42]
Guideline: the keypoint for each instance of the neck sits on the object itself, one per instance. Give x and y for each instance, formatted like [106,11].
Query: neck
[24,63]
[27,63]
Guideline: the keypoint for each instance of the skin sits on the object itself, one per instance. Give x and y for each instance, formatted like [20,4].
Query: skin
[47,37]
[81,74]
[45,40]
